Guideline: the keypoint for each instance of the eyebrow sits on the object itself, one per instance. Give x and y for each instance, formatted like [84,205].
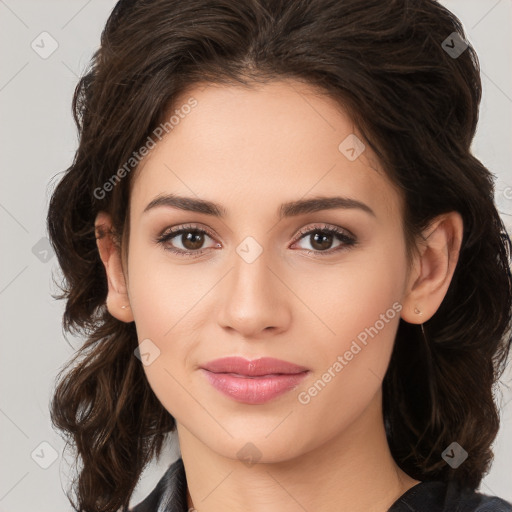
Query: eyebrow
[289,209]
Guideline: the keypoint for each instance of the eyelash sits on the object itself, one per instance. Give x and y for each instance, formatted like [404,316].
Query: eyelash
[347,240]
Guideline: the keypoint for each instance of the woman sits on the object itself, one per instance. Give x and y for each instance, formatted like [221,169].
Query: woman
[278,244]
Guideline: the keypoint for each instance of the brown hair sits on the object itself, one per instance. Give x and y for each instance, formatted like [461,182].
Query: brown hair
[414,104]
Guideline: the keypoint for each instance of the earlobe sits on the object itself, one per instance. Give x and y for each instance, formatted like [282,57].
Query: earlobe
[433,268]
[117,295]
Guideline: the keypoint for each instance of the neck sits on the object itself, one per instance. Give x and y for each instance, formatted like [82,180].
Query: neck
[353,471]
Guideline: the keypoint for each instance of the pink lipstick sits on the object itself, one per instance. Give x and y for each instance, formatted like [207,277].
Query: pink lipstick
[253,382]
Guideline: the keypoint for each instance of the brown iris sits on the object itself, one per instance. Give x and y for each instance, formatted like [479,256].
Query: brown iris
[192,240]
[321,241]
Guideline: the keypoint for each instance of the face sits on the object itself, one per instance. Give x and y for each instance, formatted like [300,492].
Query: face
[320,288]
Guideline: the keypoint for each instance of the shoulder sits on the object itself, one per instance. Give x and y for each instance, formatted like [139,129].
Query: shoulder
[437,496]
[169,495]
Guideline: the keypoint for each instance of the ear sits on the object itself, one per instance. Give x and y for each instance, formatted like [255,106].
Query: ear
[118,303]
[433,268]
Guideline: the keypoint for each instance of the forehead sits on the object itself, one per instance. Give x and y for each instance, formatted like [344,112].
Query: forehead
[281,140]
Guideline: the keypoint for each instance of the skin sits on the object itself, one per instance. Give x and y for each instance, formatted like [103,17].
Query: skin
[251,150]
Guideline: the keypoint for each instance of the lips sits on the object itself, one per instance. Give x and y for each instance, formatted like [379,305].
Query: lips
[253,382]
[254,368]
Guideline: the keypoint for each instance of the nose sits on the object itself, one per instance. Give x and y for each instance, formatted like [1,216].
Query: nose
[254,301]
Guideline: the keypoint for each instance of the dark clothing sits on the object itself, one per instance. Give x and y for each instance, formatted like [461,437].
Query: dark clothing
[436,496]
[170,495]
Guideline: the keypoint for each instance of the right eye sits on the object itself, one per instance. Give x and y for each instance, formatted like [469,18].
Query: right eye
[190,237]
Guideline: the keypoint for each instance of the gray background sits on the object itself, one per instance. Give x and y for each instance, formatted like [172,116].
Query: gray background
[39,139]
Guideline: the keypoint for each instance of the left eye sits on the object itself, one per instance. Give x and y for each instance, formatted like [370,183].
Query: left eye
[321,239]
[192,239]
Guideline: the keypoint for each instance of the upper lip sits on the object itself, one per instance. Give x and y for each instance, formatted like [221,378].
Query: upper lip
[253,368]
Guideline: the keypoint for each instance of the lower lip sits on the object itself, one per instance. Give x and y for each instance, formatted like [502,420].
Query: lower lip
[253,390]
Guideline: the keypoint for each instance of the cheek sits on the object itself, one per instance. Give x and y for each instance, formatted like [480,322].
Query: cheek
[170,303]
[353,295]
[163,306]
[361,306]
[161,291]
[364,311]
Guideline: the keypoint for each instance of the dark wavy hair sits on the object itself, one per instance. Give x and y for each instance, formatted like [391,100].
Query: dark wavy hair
[414,104]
